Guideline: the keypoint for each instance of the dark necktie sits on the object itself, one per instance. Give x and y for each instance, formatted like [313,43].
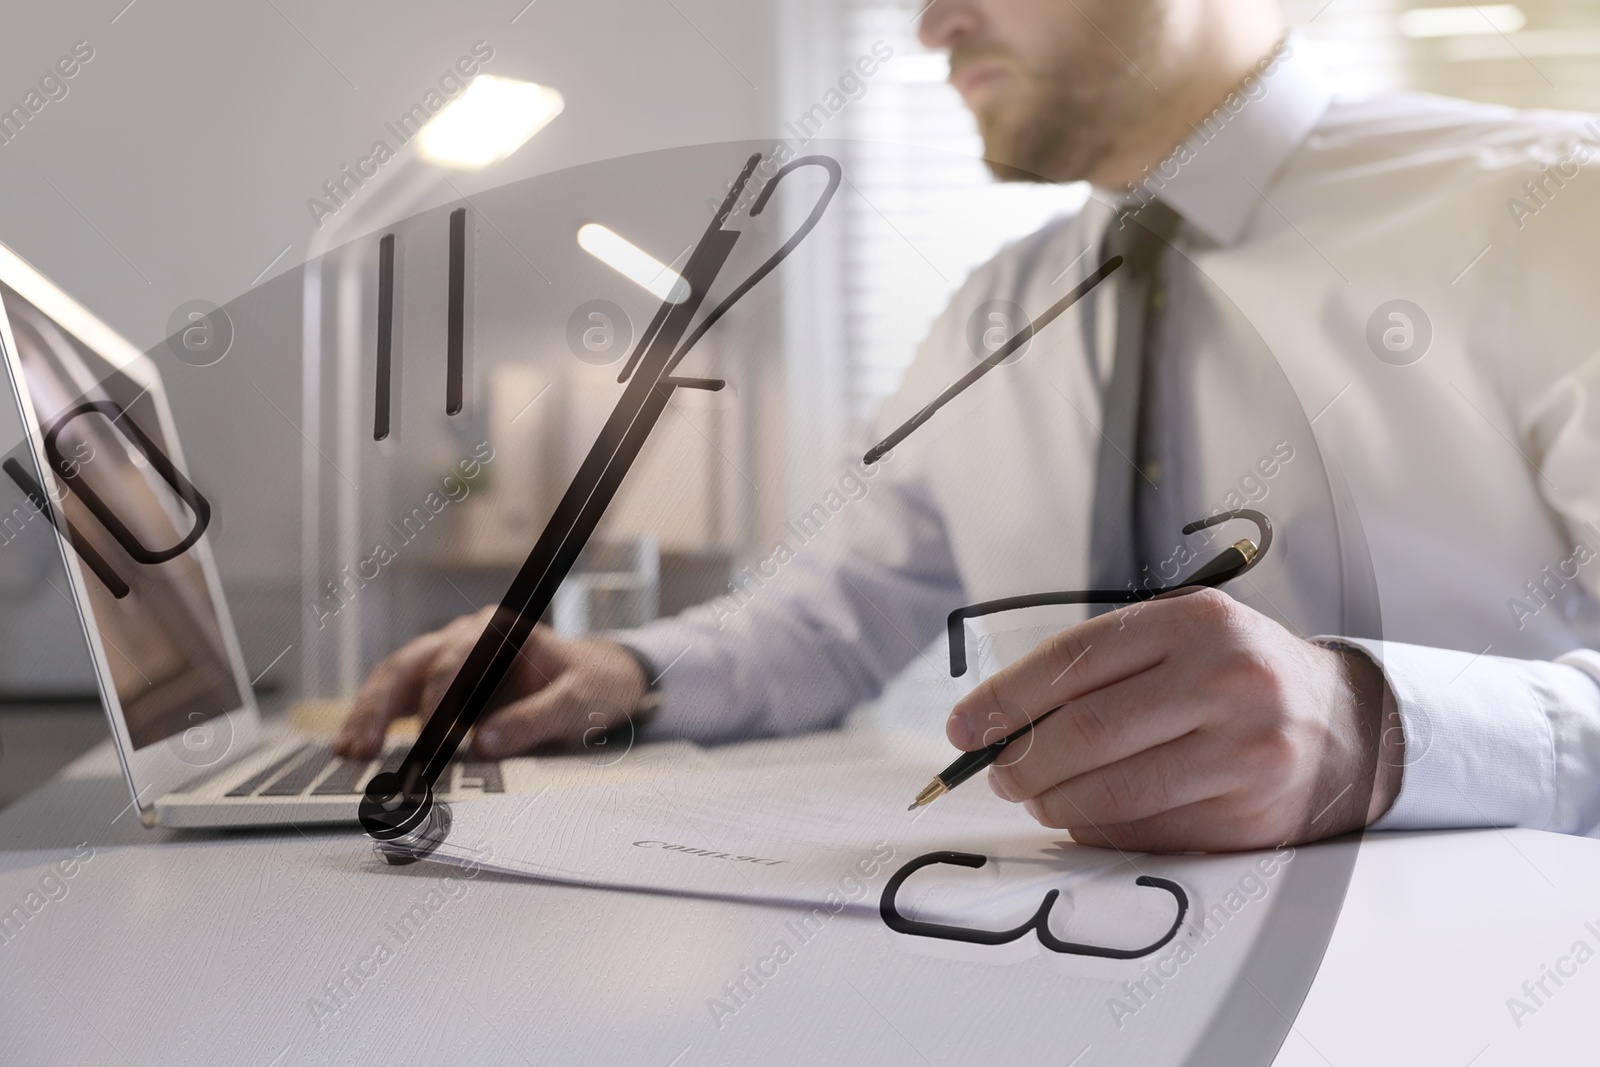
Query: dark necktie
[1126,475]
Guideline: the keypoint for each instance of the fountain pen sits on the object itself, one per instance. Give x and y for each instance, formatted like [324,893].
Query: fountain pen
[1228,563]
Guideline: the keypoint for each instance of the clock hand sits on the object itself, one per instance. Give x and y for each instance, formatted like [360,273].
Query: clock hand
[398,808]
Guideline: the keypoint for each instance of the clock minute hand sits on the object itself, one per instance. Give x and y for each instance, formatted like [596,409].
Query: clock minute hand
[396,806]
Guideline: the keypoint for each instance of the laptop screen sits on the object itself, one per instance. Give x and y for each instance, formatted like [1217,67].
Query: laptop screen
[164,645]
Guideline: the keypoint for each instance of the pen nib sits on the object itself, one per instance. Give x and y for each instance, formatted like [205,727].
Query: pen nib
[930,792]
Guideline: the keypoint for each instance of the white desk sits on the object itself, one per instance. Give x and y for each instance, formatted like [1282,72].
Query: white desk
[208,950]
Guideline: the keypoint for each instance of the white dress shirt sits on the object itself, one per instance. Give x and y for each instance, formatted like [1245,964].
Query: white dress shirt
[1474,471]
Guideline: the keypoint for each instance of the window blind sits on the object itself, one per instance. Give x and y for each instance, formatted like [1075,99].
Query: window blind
[923,211]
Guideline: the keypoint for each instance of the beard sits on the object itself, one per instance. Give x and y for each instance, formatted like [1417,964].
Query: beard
[1062,116]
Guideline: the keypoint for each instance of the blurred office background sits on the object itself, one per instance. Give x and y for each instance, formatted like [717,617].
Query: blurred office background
[179,165]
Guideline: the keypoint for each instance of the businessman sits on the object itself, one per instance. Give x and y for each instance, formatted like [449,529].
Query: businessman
[1195,722]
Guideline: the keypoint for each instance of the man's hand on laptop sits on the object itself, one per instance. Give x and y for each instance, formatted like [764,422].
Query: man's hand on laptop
[559,690]
[1190,723]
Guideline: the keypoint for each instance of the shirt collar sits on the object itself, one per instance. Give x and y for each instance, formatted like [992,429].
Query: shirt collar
[1214,179]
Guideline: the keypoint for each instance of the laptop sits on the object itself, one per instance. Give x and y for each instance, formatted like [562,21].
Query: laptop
[89,427]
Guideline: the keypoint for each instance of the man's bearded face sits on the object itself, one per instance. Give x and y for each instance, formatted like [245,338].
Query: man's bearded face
[1054,83]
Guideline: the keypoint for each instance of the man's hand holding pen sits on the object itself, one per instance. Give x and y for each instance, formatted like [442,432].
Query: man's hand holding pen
[1190,722]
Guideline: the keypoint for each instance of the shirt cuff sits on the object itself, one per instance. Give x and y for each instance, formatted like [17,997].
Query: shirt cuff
[687,678]
[1479,750]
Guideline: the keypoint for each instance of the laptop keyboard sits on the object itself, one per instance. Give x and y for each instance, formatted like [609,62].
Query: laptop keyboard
[313,770]
[351,776]
[300,777]
[250,785]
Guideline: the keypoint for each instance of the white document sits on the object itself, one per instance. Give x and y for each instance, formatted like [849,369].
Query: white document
[818,829]
[825,825]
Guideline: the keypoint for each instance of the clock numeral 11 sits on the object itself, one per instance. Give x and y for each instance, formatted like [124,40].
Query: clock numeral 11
[455,327]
